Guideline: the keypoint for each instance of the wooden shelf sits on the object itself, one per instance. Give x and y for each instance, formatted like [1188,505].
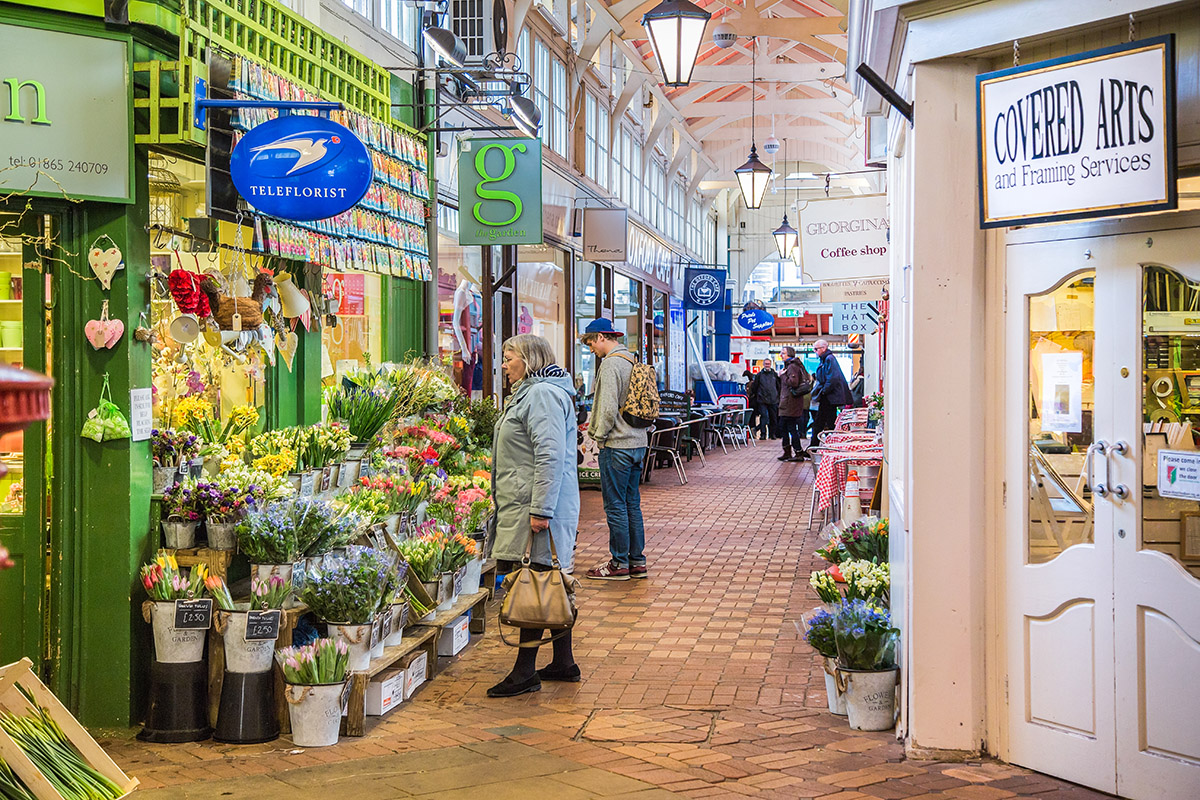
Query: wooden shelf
[415,638]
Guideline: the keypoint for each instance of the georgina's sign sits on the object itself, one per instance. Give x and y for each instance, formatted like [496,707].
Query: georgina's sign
[1089,135]
[301,168]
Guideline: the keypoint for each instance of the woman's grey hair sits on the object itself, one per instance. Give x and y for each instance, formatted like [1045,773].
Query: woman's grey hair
[534,350]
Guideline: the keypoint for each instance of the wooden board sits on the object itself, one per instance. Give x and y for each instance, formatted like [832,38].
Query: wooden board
[474,603]
[217,561]
[11,699]
[415,638]
[487,577]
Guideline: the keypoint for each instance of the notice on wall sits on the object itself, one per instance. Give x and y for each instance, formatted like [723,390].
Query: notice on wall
[860,290]
[1179,474]
[1061,408]
[844,238]
[1089,135]
[141,414]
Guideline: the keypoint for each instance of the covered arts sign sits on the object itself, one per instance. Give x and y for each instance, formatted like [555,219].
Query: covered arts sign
[1089,135]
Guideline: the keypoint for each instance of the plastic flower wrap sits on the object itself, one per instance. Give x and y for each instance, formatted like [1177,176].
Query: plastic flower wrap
[819,633]
[350,589]
[325,444]
[868,581]
[170,447]
[323,661]
[180,502]
[271,535]
[424,556]
[825,587]
[865,637]
[326,526]
[268,593]
[365,402]
[219,591]
[258,485]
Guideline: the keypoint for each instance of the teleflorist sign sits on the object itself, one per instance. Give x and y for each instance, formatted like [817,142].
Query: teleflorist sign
[500,191]
[1089,135]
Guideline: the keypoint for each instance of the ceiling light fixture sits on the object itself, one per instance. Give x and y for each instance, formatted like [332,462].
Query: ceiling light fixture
[785,235]
[446,44]
[676,29]
[527,115]
[754,175]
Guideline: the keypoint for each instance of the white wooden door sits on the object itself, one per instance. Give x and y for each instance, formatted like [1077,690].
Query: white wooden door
[1058,585]
[1102,604]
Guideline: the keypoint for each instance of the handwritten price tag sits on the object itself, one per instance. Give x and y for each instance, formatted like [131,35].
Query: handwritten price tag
[193,615]
[262,626]
[307,483]
[458,580]
[376,630]
[386,631]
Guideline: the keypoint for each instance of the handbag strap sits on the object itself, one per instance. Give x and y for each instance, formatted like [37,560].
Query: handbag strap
[529,550]
[539,642]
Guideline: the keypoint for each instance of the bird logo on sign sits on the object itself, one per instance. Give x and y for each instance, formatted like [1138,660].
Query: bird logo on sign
[299,151]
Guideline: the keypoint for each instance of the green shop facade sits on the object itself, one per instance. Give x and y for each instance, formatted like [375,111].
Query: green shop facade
[99,149]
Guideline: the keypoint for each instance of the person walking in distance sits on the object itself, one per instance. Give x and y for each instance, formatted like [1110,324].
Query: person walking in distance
[766,401]
[793,406]
[830,391]
[751,403]
[622,453]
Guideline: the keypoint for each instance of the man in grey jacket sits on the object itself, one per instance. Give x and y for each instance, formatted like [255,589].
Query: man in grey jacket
[622,453]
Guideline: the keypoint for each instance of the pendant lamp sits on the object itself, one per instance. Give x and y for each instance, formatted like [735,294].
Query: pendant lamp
[754,175]
[785,235]
[676,29]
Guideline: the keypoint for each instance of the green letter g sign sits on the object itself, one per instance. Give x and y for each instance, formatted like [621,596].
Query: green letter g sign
[510,164]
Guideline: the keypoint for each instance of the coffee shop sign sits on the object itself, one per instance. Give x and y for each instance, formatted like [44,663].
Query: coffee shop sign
[648,255]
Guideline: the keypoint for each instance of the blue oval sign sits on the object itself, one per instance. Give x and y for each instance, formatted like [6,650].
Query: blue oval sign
[756,320]
[302,168]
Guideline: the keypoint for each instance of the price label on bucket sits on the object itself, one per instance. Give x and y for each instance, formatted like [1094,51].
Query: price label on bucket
[403,621]
[386,630]
[298,576]
[193,615]
[307,485]
[376,631]
[345,697]
[262,626]
[458,580]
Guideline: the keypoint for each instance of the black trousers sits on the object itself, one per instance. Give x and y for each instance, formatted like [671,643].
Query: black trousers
[824,420]
[768,419]
[791,430]
[526,663]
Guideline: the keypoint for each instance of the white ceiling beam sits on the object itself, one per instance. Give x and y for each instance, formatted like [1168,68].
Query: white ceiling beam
[740,73]
[741,108]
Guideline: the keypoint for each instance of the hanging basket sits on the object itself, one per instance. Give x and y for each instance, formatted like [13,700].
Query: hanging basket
[250,310]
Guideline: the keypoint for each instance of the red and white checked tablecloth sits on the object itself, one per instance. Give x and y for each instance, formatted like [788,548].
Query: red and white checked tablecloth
[831,476]
[849,418]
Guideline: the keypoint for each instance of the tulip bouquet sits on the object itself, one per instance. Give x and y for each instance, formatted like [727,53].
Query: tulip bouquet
[268,593]
[424,555]
[323,661]
[216,587]
[457,550]
[165,581]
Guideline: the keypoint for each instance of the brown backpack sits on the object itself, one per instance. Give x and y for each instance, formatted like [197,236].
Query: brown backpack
[640,408]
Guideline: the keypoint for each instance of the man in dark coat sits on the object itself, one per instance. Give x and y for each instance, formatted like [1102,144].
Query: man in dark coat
[766,401]
[830,391]
[750,388]
[793,406]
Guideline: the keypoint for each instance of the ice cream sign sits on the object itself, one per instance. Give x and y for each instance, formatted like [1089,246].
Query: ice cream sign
[1088,135]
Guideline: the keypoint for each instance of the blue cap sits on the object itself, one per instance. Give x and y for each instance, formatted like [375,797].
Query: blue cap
[601,326]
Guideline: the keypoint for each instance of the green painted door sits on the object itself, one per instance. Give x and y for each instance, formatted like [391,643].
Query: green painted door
[22,488]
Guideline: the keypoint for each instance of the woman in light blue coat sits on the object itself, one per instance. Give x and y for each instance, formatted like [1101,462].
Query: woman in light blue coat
[536,487]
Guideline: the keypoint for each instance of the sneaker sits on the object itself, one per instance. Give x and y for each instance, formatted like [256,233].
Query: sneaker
[608,571]
[638,571]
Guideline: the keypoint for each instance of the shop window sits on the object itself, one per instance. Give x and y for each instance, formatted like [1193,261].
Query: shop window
[587,308]
[541,89]
[362,7]
[357,338]
[627,306]
[661,326]
[398,18]
[460,310]
[596,156]
[1061,339]
[12,352]
[541,299]
[558,107]
[1170,408]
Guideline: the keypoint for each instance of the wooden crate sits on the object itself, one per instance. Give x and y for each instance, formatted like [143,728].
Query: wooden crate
[11,699]
[416,637]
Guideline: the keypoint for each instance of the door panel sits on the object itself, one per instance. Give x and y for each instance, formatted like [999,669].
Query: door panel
[1058,560]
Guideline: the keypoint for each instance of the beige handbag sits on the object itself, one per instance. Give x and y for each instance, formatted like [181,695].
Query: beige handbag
[534,599]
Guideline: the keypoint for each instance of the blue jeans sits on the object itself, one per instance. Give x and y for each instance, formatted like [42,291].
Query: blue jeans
[620,473]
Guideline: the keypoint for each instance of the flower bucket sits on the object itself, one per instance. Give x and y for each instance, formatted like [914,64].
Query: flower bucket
[295,478]
[318,477]
[472,575]
[164,478]
[397,635]
[240,655]
[348,474]
[178,534]
[222,535]
[834,696]
[433,589]
[173,645]
[392,522]
[315,712]
[871,698]
[358,638]
[264,572]
[446,591]
[196,468]
[357,450]
[332,473]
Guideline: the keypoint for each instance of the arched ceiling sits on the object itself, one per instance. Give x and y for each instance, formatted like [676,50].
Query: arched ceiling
[798,86]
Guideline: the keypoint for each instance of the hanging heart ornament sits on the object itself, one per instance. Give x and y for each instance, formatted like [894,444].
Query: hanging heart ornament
[104,333]
[105,262]
[287,344]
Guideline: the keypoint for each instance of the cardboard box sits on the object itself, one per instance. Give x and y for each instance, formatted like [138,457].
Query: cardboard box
[416,667]
[455,636]
[385,692]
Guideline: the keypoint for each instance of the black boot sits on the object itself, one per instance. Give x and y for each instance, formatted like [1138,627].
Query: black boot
[787,455]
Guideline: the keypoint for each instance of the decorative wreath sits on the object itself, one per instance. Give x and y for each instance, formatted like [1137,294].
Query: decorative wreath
[185,291]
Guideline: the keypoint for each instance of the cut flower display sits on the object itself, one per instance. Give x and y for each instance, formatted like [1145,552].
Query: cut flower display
[323,661]
[866,639]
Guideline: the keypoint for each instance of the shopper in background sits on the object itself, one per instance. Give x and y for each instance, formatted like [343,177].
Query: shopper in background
[536,485]
[793,406]
[830,391]
[766,401]
[622,453]
[750,389]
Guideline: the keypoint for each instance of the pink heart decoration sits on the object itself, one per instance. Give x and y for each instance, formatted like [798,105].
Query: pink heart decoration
[116,329]
[104,333]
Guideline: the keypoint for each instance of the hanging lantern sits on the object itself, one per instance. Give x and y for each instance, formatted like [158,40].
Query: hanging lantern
[786,238]
[676,29]
[753,177]
[166,195]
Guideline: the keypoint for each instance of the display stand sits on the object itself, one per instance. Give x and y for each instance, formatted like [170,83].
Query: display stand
[177,711]
[415,638]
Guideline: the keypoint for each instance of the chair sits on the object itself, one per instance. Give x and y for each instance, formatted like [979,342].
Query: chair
[664,442]
[737,423]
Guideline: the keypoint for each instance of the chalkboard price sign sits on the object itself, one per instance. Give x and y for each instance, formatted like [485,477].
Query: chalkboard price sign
[262,626]
[193,615]
[386,630]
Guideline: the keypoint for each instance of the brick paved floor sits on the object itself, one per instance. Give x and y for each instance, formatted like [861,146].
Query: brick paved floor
[696,685]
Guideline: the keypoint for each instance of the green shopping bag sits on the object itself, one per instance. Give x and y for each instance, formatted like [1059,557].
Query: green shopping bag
[105,422]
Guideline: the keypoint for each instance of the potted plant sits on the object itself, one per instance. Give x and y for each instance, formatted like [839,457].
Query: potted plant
[866,646]
[365,402]
[346,594]
[181,515]
[315,676]
[241,656]
[818,632]
[269,537]
[165,583]
[170,448]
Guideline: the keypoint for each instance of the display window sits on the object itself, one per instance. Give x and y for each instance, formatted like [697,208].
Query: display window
[353,334]
[541,296]
[660,327]
[588,278]
[12,352]
[460,312]
[627,307]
